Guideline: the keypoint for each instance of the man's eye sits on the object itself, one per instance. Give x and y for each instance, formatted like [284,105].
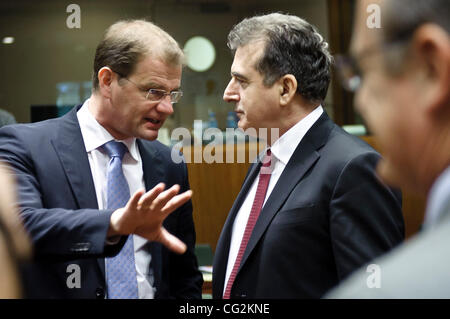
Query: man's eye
[156,93]
[242,82]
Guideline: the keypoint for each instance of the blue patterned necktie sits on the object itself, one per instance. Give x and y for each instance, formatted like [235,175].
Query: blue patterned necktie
[120,269]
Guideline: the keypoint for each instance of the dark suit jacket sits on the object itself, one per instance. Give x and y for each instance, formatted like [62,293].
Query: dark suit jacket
[59,207]
[327,215]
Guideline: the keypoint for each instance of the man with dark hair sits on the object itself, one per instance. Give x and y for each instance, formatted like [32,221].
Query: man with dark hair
[82,181]
[404,95]
[311,210]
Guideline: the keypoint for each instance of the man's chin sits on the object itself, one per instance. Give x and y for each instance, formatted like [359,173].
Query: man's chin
[149,135]
[396,176]
[388,173]
[247,127]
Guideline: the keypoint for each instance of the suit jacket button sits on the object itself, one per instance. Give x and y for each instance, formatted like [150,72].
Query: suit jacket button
[100,293]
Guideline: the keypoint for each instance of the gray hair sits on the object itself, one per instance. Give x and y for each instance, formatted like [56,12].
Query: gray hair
[403,17]
[127,41]
[292,46]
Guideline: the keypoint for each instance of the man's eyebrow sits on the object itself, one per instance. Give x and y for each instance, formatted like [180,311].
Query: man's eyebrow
[158,86]
[154,85]
[238,75]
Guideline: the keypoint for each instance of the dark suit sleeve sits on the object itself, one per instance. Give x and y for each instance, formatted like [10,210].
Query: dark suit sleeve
[57,233]
[365,215]
[185,279]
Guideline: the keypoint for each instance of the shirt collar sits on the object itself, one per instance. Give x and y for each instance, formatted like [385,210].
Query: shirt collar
[95,135]
[284,147]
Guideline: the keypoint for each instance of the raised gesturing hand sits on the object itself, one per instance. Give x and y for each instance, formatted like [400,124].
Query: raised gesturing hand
[145,212]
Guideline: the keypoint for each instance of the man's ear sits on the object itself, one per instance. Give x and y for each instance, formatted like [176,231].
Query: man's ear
[288,87]
[105,79]
[431,47]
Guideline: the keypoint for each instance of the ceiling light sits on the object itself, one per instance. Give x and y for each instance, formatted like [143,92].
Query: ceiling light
[8,40]
[200,53]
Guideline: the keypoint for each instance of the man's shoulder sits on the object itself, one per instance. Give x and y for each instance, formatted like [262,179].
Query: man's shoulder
[415,269]
[31,130]
[342,148]
[348,143]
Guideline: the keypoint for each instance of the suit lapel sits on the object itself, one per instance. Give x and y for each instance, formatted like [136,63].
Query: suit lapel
[153,168]
[69,146]
[304,157]
[152,165]
[294,171]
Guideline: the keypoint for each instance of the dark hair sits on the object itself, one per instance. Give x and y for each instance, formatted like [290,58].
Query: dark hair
[126,42]
[403,17]
[292,46]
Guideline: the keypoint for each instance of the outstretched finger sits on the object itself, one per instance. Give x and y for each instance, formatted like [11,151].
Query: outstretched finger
[133,201]
[164,197]
[176,202]
[147,199]
[171,242]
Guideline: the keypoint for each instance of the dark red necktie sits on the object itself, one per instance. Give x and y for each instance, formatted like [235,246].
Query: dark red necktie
[261,190]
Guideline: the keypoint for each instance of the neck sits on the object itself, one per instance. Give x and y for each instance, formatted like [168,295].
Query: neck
[290,116]
[98,108]
[435,157]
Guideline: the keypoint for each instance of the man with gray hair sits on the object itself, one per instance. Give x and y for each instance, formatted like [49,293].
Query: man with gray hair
[97,193]
[6,118]
[403,71]
[311,210]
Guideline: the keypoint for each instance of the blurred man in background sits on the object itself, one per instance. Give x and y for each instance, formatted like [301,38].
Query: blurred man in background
[14,241]
[402,81]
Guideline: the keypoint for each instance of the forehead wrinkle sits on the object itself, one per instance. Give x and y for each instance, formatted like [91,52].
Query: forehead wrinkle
[152,82]
[157,74]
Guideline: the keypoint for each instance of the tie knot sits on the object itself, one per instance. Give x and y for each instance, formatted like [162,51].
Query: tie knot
[267,160]
[115,149]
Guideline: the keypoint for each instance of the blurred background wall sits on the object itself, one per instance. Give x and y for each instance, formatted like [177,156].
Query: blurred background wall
[45,52]
[47,57]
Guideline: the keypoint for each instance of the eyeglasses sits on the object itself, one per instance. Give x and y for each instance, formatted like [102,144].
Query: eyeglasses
[348,72]
[157,95]
[348,68]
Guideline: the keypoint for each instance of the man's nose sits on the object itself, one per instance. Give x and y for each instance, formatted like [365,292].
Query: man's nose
[165,105]
[230,94]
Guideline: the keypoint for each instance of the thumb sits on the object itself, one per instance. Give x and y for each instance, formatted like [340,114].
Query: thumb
[171,242]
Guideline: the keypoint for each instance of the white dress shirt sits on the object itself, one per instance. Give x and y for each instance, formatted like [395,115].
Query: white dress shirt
[438,201]
[94,136]
[282,150]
